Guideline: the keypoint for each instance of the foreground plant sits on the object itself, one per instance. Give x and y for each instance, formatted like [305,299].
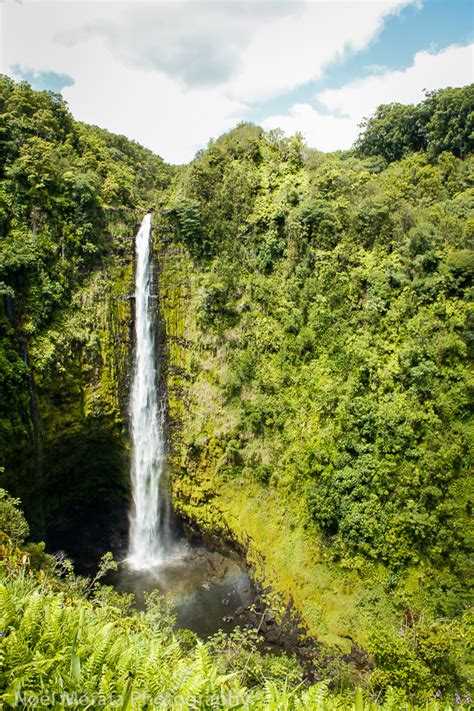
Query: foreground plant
[64,645]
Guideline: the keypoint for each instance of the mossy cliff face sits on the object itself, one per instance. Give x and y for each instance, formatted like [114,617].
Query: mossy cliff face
[283,555]
[318,337]
[75,447]
[96,435]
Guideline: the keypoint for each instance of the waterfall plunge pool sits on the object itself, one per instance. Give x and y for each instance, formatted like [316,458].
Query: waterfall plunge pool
[205,587]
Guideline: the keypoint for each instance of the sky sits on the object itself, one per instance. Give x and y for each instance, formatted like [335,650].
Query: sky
[174,74]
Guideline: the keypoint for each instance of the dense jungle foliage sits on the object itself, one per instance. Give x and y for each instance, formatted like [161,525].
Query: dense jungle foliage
[330,366]
[327,368]
[336,290]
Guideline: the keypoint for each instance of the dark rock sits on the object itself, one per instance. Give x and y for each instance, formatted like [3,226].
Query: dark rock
[269,617]
[273,635]
[359,659]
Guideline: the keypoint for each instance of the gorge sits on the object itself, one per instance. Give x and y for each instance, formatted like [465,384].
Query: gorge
[309,327]
[206,588]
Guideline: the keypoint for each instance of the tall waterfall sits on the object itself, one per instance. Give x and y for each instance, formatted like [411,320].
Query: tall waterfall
[146,419]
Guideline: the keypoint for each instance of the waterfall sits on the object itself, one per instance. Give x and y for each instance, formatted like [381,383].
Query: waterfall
[146,414]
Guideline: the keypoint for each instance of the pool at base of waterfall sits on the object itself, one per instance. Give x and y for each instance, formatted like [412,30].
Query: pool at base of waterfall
[204,587]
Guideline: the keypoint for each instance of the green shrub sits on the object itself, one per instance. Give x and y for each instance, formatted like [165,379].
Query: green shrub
[12,519]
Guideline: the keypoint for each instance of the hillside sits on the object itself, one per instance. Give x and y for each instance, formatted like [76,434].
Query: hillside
[322,346]
[315,332]
[70,196]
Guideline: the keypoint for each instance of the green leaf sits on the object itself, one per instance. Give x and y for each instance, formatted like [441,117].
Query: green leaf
[127,695]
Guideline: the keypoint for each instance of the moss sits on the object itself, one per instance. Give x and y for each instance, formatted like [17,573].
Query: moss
[339,601]
[80,374]
[334,603]
[175,289]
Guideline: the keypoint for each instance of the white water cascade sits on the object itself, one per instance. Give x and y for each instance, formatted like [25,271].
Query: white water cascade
[146,416]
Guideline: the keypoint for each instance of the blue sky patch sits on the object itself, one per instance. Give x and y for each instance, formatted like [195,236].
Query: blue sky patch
[434,25]
[43,81]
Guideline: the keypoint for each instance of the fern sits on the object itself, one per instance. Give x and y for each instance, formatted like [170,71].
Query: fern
[59,642]
[7,608]
[33,616]
[314,698]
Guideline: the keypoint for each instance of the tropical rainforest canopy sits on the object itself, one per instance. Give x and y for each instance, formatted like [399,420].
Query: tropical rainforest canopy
[318,334]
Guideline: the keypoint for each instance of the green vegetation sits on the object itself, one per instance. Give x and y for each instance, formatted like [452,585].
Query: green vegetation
[443,122]
[326,304]
[67,642]
[318,323]
[12,518]
[69,197]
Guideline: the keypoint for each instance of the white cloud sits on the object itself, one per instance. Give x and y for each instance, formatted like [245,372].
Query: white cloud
[292,51]
[150,107]
[327,133]
[348,105]
[452,66]
[171,75]
[198,43]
